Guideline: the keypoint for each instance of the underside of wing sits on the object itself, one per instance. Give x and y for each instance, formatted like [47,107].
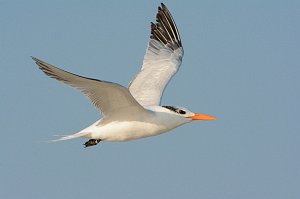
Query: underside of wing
[162,60]
[110,98]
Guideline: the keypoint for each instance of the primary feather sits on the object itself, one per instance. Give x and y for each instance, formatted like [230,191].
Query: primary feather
[162,60]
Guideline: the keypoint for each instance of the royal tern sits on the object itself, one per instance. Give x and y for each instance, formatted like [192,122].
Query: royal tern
[134,112]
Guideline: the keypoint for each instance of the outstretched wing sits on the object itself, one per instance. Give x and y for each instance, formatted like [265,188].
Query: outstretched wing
[162,60]
[110,98]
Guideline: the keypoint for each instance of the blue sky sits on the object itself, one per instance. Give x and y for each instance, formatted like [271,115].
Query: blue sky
[241,65]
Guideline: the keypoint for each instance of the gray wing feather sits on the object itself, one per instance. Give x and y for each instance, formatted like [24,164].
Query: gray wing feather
[110,98]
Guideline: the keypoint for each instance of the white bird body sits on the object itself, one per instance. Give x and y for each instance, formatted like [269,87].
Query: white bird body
[158,123]
[134,112]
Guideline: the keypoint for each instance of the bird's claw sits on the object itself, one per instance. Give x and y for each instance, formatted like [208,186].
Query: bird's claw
[91,142]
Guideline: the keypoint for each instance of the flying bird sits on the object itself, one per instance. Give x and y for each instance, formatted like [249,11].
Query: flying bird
[134,112]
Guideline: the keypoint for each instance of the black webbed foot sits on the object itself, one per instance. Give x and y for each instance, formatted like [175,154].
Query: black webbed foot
[91,142]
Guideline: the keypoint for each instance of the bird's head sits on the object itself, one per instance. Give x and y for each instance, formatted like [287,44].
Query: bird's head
[184,112]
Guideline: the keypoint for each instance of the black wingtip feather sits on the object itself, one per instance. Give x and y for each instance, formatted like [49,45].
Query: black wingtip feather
[165,29]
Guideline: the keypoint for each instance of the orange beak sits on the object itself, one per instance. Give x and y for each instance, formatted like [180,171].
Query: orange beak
[202,117]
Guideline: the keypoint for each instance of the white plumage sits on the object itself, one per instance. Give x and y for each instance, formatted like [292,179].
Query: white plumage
[134,112]
[159,66]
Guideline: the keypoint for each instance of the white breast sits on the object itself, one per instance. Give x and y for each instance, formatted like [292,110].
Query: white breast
[130,130]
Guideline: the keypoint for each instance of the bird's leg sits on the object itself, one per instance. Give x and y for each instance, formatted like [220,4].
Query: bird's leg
[91,142]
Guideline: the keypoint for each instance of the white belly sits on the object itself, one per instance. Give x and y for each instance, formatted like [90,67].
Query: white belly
[130,130]
[124,131]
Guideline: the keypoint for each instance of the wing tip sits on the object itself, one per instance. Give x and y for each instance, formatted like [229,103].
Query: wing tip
[163,6]
[165,29]
[34,58]
[38,62]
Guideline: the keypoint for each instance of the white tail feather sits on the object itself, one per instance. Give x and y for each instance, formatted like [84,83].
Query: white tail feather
[71,136]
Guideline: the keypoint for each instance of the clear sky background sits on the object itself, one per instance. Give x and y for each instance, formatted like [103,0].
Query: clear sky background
[241,65]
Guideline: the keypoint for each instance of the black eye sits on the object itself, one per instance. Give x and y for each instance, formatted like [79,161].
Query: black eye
[181,112]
